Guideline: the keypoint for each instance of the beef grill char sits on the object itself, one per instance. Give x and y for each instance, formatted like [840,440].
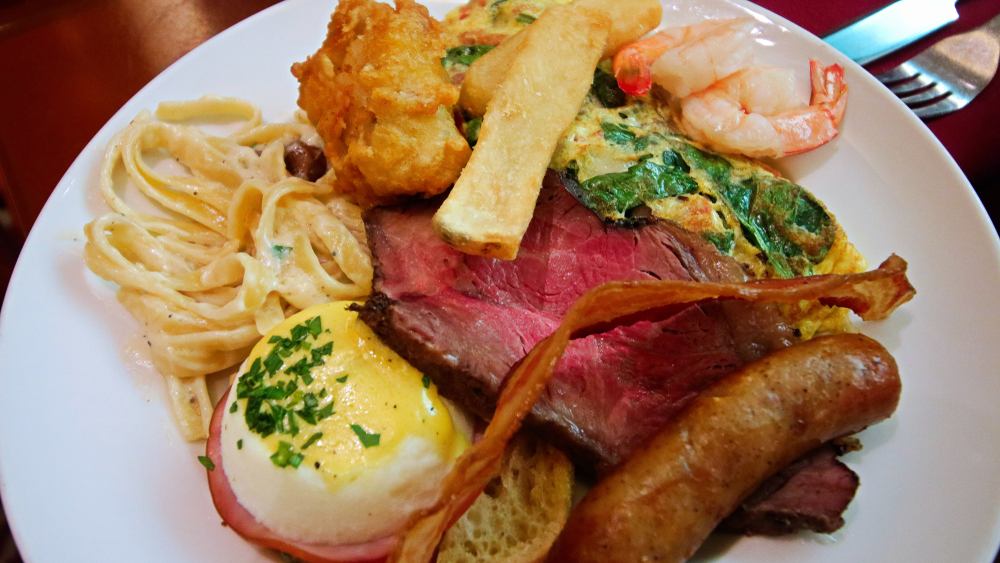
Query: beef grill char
[465,321]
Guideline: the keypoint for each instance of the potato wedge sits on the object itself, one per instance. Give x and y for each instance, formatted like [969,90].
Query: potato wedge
[630,20]
[491,204]
[487,72]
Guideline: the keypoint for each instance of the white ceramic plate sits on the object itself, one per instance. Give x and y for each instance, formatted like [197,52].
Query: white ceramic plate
[93,468]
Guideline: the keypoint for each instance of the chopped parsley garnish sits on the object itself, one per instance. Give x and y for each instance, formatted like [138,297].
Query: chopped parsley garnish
[308,410]
[315,326]
[285,347]
[309,401]
[209,465]
[325,411]
[285,456]
[427,382]
[299,332]
[300,368]
[367,440]
[341,379]
[281,251]
[277,402]
[234,407]
[273,363]
[291,424]
[239,444]
[312,440]
[318,353]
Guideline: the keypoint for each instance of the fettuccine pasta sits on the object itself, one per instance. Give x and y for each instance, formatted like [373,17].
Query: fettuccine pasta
[240,243]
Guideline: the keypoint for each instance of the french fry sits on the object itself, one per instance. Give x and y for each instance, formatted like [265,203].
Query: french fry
[630,20]
[491,204]
[487,72]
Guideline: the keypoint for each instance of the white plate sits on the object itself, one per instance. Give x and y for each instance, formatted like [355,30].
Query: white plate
[92,467]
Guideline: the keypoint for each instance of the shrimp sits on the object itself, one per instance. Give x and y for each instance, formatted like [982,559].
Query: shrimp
[754,112]
[685,59]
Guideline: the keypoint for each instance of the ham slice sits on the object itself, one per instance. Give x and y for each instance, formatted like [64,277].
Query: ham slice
[244,523]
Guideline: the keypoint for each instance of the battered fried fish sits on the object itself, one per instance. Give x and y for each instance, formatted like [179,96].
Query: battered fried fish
[383,103]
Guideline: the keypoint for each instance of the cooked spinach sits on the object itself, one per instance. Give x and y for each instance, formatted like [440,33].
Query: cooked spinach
[605,89]
[472,127]
[614,195]
[780,218]
[617,133]
[465,55]
[717,167]
[724,241]
[794,223]
[621,134]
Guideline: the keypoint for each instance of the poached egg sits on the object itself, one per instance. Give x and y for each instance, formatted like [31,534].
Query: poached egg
[329,437]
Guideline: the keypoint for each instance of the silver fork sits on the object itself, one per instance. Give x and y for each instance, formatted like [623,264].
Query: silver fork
[949,74]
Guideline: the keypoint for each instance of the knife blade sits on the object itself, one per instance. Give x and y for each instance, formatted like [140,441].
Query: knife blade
[891,28]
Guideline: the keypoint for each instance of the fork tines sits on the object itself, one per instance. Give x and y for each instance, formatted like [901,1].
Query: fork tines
[948,75]
[927,95]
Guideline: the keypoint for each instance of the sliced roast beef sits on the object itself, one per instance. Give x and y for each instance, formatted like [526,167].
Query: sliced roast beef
[466,320]
[810,494]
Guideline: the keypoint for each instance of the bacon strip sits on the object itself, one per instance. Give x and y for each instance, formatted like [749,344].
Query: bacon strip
[872,295]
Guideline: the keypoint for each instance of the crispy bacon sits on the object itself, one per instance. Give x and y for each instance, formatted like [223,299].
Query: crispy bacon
[872,295]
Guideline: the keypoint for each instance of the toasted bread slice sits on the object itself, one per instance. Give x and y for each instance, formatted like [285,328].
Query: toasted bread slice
[520,513]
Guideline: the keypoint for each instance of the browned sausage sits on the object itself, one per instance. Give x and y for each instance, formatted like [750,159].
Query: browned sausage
[663,502]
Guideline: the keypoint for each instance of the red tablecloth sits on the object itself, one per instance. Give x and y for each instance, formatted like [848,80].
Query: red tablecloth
[971,135]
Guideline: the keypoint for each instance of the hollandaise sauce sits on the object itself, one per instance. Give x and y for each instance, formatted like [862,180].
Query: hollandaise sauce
[322,414]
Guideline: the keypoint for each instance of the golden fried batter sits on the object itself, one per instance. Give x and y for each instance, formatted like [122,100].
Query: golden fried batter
[383,103]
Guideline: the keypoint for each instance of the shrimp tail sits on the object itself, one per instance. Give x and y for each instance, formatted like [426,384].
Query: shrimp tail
[821,119]
[632,72]
[828,88]
[805,129]
[631,68]
[631,63]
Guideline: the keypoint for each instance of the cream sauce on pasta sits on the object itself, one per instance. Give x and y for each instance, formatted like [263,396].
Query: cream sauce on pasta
[240,243]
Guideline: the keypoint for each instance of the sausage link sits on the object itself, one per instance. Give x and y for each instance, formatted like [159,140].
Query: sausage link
[663,502]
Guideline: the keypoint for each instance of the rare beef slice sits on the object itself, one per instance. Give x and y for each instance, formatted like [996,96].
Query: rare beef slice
[466,320]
